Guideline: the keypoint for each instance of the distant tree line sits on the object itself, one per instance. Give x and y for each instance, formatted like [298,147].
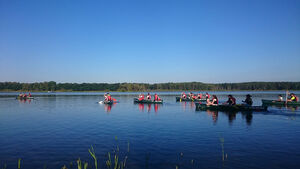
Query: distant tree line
[186,86]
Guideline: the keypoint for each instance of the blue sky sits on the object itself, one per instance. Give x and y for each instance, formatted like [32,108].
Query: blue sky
[150,41]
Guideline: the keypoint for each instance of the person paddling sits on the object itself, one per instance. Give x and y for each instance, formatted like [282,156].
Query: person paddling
[214,101]
[156,98]
[199,96]
[293,98]
[280,98]
[141,97]
[207,95]
[231,100]
[183,95]
[109,97]
[148,96]
[248,101]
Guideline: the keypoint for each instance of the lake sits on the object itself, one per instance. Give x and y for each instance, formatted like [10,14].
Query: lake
[56,129]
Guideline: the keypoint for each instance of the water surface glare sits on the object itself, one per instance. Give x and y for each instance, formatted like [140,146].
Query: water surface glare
[56,129]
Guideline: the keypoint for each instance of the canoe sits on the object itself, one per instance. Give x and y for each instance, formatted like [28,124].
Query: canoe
[279,103]
[24,98]
[179,99]
[230,108]
[107,102]
[136,100]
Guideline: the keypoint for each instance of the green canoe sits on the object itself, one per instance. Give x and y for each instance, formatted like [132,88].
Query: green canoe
[107,102]
[24,98]
[179,99]
[279,103]
[136,100]
[230,108]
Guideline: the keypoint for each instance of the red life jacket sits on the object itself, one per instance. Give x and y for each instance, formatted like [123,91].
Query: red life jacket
[109,98]
[297,98]
[155,97]
[233,101]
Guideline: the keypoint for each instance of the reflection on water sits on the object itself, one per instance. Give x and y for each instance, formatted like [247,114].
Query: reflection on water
[148,107]
[55,130]
[24,101]
[188,105]
[214,115]
[107,107]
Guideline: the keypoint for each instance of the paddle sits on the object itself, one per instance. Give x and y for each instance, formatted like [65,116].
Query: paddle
[286,96]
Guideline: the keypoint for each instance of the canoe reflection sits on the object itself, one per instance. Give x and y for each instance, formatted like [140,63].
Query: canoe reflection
[231,116]
[214,115]
[188,105]
[24,100]
[107,107]
[149,107]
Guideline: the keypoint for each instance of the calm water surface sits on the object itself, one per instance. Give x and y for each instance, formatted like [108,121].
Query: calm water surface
[55,130]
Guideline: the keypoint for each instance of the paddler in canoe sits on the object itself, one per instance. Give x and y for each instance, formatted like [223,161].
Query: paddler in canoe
[248,101]
[207,95]
[141,97]
[156,98]
[105,97]
[213,102]
[199,96]
[148,96]
[231,101]
[280,98]
[183,95]
[293,98]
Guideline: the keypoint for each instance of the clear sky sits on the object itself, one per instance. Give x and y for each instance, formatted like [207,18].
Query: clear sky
[149,40]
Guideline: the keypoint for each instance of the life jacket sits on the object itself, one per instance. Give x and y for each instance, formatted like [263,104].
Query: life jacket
[149,97]
[156,97]
[141,97]
[207,96]
[199,96]
[109,97]
[297,98]
[29,95]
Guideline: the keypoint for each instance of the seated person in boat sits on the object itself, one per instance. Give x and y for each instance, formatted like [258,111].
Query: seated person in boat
[105,97]
[207,95]
[141,97]
[20,95]
[183,95]
[24,95]
[213,102]
[293,98]
[148,96]
[280,99]
[156,98]
[109,97]
[190,95]
[29,95]
[199,96]
[248,101]
[231,100]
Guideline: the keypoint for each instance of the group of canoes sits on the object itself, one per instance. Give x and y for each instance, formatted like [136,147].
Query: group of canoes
[24,96]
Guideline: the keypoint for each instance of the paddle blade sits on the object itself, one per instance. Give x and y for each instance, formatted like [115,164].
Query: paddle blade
[114,99]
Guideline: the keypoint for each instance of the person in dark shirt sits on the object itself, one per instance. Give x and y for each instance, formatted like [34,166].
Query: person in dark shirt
[248,101]
[231,100]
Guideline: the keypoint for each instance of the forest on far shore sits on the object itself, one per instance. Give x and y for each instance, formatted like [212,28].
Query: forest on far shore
[124,87]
